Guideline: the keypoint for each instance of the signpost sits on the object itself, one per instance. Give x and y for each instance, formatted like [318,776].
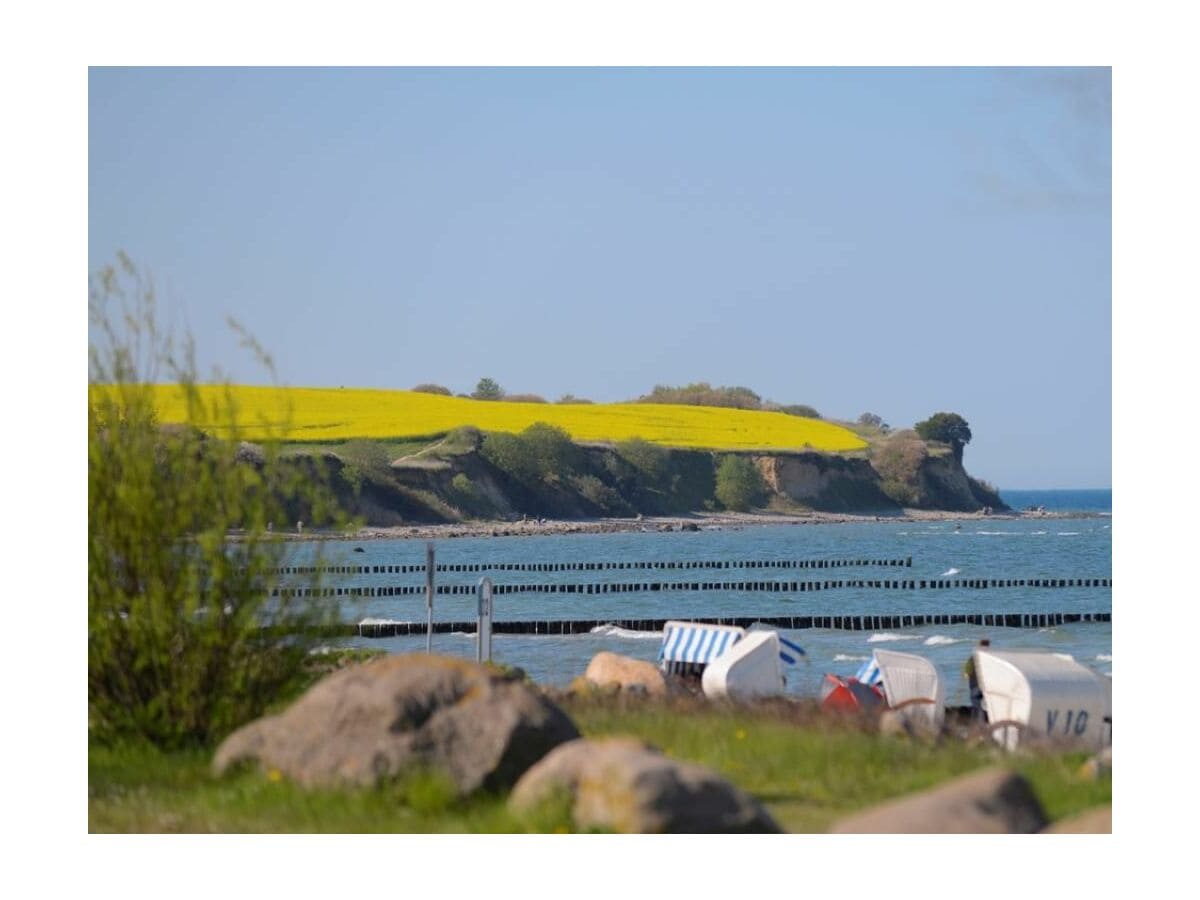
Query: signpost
[483,633]
[429,569]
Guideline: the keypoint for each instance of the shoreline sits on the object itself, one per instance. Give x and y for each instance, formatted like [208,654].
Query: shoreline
[664,524]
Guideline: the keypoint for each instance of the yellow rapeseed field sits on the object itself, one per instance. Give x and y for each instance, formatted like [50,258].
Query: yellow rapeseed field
[336,414]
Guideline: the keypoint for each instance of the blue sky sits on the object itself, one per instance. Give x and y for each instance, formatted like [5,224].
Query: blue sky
[900,241]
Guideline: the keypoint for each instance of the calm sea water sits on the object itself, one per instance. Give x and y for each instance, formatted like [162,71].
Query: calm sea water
[1001,549]
[1090,501]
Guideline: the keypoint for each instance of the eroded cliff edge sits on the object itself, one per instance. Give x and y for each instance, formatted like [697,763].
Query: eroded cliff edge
[455,481]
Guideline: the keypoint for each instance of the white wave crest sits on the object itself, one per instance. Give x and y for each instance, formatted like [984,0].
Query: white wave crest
[880,637]
[936,639]
[949,572]
[1039,532]
[1104,657]
[615,631]
[997,532]
[1066,533]
[846,657]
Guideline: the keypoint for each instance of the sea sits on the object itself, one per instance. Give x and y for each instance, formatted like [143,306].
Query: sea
[1075,543]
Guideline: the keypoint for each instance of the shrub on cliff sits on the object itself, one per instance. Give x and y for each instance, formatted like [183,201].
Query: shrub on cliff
[898,462]
[600,495]
[650,460]
[363,461]
[740,486]
[184,643]
[539,453]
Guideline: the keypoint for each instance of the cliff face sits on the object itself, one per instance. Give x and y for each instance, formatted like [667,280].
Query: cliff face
[463,484]
[826,483]
[945,484]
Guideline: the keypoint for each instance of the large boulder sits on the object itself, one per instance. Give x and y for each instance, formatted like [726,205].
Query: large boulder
[994,801]
[611,669]
[402,713]
[621,784]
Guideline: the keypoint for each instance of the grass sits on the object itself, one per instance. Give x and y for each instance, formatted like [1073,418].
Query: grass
[808,770]
[327,415]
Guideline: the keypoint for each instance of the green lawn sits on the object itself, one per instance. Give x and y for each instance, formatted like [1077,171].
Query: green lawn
[807,770]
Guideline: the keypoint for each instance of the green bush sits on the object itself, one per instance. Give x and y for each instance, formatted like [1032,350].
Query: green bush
[433,389]
[600,495]
[539,453]
[704,394]
[184,642]
[363,461]
[898,461]
[651,460]
[740,485]
[466,495]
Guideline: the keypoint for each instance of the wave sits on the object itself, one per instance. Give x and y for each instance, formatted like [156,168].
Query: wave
[1039,532]
[880,637]
[1104,657]
[1066,533]
[935,640]
[846,657]
[999,532]
[949,572]
[617,631]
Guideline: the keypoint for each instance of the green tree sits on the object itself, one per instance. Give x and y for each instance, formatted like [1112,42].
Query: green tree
[185,642]
[740,485]
[487,389]
[949,428]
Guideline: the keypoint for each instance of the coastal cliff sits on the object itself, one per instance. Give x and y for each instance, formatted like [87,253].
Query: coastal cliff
[455,480]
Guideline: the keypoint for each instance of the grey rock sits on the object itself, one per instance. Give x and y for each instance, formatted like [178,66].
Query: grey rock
[994,801]
[623,785]
[394,715]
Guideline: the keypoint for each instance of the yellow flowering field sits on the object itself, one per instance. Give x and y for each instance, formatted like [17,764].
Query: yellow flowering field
[336,414]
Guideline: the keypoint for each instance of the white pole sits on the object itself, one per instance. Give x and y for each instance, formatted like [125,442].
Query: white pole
[483,630]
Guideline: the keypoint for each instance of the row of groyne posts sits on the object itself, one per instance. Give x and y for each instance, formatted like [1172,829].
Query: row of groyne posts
[485,590]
